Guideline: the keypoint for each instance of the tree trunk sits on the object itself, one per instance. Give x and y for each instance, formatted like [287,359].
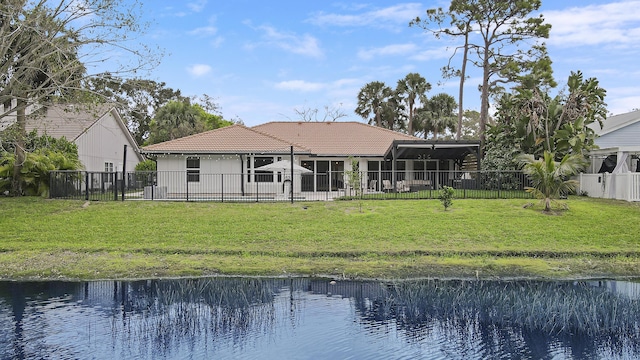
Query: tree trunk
[16,181]
[463,72]
[484,100]
[410,124]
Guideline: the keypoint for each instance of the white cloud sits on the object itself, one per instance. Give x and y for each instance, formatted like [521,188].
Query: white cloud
[199,70]
[217,41]
[623,99]
[389,50]
[305,44]
[204,31]
[613,23]
[299,85]
[401,13]
[197,6]
[306,86]
[431,54]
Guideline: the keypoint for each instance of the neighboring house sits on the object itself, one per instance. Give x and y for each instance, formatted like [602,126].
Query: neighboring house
[326,149]
[614,169]
[99,132]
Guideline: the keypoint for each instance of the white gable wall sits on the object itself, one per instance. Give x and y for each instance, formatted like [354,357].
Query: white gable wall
[218,174]
[626,136]
[172,173]
[104,142]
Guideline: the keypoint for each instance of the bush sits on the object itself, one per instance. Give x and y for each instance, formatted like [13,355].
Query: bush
[147,165]
[446,196]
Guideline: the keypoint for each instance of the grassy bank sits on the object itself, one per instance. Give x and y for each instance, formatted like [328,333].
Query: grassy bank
[372,239]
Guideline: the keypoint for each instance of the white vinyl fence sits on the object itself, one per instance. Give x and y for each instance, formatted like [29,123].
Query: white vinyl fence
[624,186]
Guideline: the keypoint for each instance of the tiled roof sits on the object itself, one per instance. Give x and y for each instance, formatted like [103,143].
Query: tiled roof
[65,120]
[230,139]
[336,138]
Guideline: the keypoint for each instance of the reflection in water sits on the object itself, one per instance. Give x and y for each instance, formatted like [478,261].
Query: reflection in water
[314,318]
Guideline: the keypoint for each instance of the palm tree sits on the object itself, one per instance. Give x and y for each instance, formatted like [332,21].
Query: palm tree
[413,87]
[437,115]
[373,100]
[549,178]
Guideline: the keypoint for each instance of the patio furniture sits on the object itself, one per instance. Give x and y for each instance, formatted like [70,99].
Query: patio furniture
[417,185]
[373,184]
[386,186]
[402,187]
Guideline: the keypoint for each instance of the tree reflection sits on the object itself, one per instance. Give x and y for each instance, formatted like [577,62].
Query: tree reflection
[519,317]
[474,319]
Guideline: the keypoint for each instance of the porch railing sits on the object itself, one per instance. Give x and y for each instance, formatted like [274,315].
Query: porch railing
[268,186]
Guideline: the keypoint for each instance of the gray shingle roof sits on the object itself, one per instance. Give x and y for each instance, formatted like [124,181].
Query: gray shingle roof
[65,120]
[616,122]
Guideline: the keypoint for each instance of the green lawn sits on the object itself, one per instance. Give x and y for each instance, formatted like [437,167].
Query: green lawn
[372,239]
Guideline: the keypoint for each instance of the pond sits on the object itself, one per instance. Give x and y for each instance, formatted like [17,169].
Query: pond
[304,318]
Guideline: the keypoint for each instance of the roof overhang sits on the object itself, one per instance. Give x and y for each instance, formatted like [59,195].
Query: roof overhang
[614,150]
[432,149]
[209,152]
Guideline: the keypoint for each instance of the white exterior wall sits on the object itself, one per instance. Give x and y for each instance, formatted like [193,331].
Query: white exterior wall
[172,174]
[104,142]
[218,174]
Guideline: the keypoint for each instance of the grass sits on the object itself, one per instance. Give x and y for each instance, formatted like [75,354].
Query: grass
[368,239]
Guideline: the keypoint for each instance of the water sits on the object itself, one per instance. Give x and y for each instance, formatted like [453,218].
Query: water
[245,318]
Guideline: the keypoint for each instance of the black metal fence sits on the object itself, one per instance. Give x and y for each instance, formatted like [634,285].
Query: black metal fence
[275,186]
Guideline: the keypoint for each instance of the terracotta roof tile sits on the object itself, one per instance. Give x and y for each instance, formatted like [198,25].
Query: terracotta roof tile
[336,138]
[230,139]
[318,138]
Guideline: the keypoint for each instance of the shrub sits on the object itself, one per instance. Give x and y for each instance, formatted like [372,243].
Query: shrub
[446,196]
[147,165]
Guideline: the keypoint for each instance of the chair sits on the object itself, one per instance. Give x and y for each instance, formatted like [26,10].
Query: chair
[402,187]
[386,186]
[373,185]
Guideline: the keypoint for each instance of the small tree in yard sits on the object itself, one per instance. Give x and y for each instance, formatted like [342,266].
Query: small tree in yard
[446,196]
[354,177]
[550,179]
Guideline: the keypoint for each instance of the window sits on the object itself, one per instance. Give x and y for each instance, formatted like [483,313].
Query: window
[279,173]
[193,169]
[108,172]
[248,168]
[262,176]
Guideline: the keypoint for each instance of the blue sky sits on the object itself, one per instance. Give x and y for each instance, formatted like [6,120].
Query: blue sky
[261,60]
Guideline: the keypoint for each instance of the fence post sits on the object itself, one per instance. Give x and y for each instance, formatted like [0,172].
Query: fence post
[629,188]
[115,186]
[580,183]
[86,185]
[187,178]
[221,187]
[124,172]
[499,183]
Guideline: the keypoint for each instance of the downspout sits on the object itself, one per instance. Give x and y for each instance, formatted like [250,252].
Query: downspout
[291,184]
[241,175]
[393,165]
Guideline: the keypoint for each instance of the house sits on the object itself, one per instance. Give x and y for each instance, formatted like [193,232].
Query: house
[326,149]
[99,132]
[614,169]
